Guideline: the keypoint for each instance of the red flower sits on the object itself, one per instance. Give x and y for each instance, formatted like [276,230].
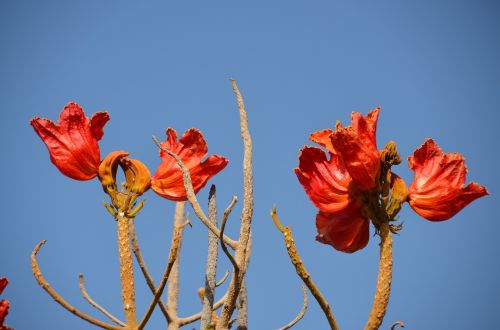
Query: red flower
[72,142]
[191,148]
[4,304]
[437,192]
[357,146]
[328,184]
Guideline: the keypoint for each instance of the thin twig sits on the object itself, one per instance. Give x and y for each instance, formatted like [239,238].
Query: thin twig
[384,279]
[301,313]
[223,279]
[211,266]
[222,228]
[195,317]
[397,323]
[174,249]
[188,185]
[91,301]
[246,215]
[37,273]
[145,271]
[302,271]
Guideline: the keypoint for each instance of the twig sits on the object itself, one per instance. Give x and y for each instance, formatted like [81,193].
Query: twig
[173,282]
[37,273]
[384,279]
[195,317]
[223,279]
[223,245]
[301,313]
[395,324]
[145,271]
[242,307]
[302,271]
[174,249]
[188,185]
[246,215]
[211,266]
[87,297]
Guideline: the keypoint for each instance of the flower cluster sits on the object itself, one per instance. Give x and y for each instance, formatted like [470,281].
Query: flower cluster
[351,182]
[73,147]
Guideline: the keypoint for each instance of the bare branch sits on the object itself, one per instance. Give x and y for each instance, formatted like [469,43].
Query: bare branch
[301,313]
[173,282]
[384,279]
[37,273]
[197,316]
[145,271]
[174,249]
[211,266]
[188,185]
[246,215]
[87,297]
[223,279]
[302,271]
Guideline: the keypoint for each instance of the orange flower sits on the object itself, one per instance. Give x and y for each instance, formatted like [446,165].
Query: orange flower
[191,148]
[4,304]
[437,192]
[328,184]
[72,142]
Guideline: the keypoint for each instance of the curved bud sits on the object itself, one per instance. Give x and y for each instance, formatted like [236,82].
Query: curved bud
[398,195]
[107,171]
[390,155]
[137,175]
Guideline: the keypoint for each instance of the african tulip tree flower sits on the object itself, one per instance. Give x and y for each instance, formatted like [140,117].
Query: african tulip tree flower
[72,142]
[327,182]
[191,148]
[335,185]
[4,304]
[437,192]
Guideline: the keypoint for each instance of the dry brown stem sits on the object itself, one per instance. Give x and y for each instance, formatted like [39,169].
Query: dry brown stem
[211,265]
[302,271]
[301,313]
[37,273]
[126,269]
[384,279]
[91,301]
[246,216]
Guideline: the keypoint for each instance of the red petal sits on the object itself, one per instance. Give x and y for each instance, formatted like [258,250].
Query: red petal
[4,310]
[357,146]
[347,231]
[3,283]
[323,138]
[72,146]
[437,192]
[191,148]
[97,122]
[326,182]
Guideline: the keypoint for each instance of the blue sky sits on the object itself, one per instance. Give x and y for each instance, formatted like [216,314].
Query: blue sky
[433,67]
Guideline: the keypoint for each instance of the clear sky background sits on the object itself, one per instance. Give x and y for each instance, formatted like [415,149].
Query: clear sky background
[433,67]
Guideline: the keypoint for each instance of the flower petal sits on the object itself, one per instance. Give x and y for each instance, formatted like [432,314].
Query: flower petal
[347,231]
[3,283]
[323,138]
[137,175]
[437,192]
[357,146]
[97,122]
[326,182]
[71,143]
[4,310]
[191,148]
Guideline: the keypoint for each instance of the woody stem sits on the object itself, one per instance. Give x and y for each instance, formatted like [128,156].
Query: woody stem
[384,279]
[126,269]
